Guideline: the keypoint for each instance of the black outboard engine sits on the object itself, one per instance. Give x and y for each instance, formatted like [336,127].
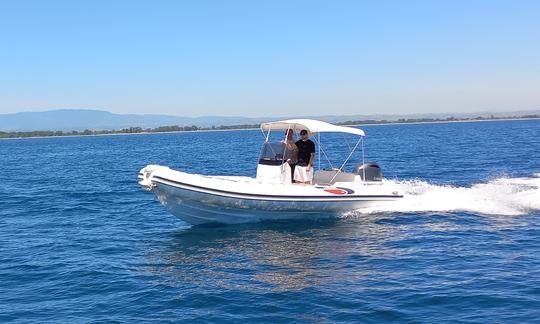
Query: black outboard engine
[371,170]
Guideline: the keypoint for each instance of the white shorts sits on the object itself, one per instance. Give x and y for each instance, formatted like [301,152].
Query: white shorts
[300,174]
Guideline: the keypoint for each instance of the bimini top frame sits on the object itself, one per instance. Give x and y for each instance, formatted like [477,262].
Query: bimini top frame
[312,126]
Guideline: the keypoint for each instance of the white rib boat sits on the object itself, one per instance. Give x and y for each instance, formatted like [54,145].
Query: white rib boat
[271,195]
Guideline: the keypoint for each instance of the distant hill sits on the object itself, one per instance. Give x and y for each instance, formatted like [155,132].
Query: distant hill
[81,119]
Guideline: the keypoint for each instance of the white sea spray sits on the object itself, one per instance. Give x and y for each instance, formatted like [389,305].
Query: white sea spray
[499,196]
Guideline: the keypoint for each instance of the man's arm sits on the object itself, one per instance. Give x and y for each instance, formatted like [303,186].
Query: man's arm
[311,158]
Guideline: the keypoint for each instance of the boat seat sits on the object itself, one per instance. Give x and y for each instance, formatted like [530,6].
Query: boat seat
[325,176]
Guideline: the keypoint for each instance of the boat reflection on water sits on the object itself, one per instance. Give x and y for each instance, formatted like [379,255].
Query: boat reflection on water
[277,256]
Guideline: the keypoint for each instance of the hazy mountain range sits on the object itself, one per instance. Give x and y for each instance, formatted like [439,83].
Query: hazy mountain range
[81,119]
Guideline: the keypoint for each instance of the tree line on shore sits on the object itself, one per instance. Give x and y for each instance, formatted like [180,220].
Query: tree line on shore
[177,128]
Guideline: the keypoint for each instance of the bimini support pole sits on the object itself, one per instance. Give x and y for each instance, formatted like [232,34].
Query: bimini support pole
[319,142]
[363,161]
[285,141]
[347,159]
[285,164]
[268,134]
[324,153]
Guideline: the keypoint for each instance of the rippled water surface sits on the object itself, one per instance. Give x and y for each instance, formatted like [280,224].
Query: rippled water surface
[80,242]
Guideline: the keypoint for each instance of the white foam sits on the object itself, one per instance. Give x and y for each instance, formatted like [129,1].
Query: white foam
[501,196]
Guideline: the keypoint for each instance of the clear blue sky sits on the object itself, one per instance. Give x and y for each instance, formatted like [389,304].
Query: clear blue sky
[270,58]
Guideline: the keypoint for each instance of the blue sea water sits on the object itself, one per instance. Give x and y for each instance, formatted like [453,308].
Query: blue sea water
[80,242]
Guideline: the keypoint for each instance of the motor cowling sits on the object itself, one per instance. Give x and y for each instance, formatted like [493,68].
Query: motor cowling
[369,171]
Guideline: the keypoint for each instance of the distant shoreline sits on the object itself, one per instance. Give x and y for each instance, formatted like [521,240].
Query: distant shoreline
[193,129]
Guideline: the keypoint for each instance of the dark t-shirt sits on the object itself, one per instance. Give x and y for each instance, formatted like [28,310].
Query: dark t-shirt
[304,151]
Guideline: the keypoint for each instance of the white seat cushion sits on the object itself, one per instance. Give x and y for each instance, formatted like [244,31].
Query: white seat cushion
[325,176]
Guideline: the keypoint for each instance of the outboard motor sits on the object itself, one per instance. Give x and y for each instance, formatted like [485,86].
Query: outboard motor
[371,170]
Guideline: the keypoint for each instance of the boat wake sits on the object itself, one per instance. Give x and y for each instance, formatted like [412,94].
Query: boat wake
[501,196]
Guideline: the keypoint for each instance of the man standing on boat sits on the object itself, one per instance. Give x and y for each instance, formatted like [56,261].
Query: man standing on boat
[303,172]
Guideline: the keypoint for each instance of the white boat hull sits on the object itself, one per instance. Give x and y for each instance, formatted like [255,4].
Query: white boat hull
[198,199]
